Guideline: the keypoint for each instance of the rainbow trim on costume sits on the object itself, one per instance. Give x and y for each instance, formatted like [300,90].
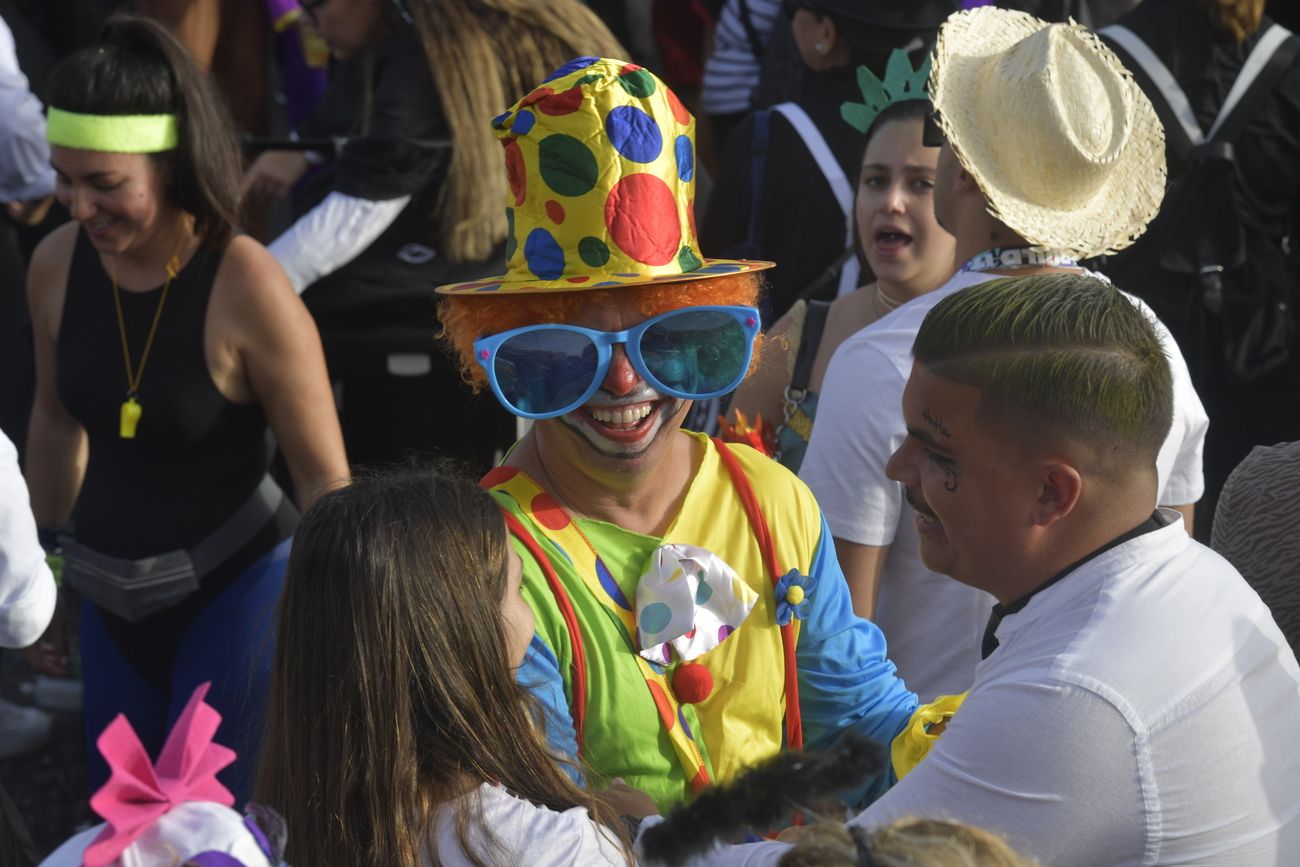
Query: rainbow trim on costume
[112,133]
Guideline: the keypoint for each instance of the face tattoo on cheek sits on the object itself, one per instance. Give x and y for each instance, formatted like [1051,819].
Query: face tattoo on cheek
[950,469]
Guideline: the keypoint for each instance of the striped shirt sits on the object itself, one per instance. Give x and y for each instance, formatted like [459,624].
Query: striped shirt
[731,72]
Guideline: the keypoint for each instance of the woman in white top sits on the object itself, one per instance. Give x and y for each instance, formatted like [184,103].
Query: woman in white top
[396,732]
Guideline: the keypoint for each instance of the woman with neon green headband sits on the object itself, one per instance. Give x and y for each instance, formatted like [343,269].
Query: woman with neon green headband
[166,342]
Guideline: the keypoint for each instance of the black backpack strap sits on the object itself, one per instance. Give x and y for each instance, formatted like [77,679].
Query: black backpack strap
[751,32]
[814,324]
[757,169]
[1158,84]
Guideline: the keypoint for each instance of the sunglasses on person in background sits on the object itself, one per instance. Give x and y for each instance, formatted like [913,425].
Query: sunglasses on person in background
[544,371]
[931,132]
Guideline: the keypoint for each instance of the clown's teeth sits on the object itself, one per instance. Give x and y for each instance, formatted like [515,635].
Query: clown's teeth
[621,415]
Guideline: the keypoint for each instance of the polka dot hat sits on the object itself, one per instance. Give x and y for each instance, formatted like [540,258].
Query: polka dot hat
[601,166]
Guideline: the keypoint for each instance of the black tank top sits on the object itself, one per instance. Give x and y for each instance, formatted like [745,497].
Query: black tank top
[196,456]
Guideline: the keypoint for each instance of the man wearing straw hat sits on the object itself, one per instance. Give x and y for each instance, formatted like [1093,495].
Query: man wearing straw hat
[691,615]
[1050,154]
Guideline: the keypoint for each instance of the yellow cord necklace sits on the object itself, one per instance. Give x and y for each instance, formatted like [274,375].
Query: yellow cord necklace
[129,417]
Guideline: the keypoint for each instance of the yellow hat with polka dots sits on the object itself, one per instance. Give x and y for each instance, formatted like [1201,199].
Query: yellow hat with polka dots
[601,166]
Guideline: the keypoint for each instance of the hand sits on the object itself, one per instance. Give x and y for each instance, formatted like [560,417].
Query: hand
[31,212]
[50,654]
[273,174]
[628,801]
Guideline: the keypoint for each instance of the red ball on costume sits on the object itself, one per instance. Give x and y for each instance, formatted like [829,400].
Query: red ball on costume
[692,683]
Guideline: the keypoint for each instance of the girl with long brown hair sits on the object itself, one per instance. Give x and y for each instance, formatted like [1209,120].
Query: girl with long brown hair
[397,734]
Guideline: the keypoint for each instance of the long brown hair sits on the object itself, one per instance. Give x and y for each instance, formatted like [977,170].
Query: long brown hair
[1234,19]
[392,693]
[138,67]
[484,55]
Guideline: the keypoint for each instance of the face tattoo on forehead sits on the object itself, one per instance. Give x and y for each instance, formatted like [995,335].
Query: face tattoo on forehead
[935,422]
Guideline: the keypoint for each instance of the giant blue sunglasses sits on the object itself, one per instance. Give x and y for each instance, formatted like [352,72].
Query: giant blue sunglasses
[544,371]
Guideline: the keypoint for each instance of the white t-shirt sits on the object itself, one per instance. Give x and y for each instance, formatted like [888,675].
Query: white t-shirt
[1143,710]
[932,623]
[526,834]
[27,591]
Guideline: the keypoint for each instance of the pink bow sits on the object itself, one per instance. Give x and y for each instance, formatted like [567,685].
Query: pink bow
[138,793]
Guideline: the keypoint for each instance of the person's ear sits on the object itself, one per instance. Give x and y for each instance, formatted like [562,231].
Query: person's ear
[1060,486]
[966,182]
[826,34]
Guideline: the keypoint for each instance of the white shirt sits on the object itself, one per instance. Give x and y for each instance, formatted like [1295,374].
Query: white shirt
[27,591]
[331,235]
[25,171]
[1143,710]
[932,623]
[526,834]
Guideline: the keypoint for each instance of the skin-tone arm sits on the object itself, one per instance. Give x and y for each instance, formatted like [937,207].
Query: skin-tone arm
[269,352]
[862,565]
[56,442]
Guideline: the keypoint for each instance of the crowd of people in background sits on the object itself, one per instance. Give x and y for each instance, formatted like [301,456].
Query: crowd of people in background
[398,476]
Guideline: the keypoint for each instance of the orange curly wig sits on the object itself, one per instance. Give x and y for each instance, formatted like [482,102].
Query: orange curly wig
[466,318]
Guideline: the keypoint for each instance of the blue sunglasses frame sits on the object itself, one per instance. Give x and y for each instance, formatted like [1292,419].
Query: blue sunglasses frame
[486,348]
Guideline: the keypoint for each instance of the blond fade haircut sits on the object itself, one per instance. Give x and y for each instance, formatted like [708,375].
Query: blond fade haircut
[1061,354]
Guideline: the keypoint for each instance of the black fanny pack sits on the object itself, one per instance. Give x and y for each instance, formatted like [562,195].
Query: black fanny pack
[134,589]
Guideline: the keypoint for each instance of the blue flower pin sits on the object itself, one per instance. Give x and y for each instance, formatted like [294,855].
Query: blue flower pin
[792,593]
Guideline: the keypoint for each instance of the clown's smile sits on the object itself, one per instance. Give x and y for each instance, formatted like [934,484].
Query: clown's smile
[623,427]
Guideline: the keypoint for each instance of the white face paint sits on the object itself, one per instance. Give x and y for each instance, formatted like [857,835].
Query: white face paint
[624,426]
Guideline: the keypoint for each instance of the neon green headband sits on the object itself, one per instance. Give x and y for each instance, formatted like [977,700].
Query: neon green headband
[112,133]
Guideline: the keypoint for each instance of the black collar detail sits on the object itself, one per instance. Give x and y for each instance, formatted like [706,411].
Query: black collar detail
[990,642]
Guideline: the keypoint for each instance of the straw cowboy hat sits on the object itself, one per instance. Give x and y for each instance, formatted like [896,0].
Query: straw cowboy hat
[1065,146]
[601,164]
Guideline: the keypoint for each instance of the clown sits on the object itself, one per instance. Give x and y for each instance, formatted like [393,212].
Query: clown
[691,615]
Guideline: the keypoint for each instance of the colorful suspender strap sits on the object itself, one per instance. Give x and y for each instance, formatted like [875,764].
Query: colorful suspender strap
[757,522]
[578,705]
[553,522]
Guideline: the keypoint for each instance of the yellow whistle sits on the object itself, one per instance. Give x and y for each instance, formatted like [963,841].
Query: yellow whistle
[130,417]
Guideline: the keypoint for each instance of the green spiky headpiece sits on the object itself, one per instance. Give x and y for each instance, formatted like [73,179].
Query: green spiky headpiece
[901,83]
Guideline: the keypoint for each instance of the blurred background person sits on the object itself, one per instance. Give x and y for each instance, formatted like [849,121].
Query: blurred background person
[1257,529]
[410,200]
[26,190]
[27,599]
[1220,264]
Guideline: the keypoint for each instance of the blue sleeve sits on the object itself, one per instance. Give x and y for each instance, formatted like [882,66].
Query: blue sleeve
[846,681]
[539,673]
